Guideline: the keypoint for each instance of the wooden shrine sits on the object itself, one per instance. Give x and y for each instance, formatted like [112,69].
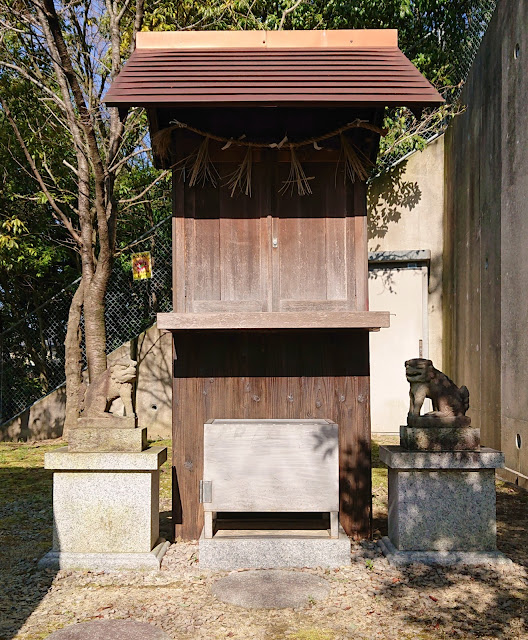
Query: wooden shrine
[270,136]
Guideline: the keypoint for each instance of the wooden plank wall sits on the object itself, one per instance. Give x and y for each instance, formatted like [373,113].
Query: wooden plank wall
[271,252]
[272,374]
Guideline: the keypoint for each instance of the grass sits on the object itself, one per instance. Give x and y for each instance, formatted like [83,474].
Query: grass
[25,498]
[165,472]
[312,634]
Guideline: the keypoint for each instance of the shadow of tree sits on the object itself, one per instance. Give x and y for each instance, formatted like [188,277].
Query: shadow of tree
[26,520]
[493,603]
[388,199]
[467,602]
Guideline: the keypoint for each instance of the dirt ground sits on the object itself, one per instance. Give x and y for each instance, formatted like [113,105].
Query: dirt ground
[368,600]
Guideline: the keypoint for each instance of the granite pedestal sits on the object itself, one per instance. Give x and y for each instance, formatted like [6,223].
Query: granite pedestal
[265,551]
[441,506]
[112,439]
[440,438]
[105,510]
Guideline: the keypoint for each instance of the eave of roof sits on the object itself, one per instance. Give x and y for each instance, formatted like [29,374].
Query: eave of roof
[243,68]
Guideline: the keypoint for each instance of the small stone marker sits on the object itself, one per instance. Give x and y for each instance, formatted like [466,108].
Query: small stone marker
[111,630]
[270,589]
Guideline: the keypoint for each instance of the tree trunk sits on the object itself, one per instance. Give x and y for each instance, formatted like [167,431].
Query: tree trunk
[73,361]
[95,330]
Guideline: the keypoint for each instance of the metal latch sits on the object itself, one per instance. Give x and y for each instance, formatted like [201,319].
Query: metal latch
[206,491]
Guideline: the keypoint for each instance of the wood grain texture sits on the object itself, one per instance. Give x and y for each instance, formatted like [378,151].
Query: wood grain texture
[272,374]
[271,465]
[293,319]
[269,252]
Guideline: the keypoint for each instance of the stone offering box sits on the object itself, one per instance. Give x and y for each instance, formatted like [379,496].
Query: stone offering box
[271,495]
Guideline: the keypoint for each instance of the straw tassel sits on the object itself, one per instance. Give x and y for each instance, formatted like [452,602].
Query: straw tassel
[297,177]
[203,169]
[241,178]
[354,167]
[162,142]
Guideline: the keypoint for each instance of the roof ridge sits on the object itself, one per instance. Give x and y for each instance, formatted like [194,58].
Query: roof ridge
[346,38]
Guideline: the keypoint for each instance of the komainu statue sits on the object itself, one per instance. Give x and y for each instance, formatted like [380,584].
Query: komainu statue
[450,403]
[116,382]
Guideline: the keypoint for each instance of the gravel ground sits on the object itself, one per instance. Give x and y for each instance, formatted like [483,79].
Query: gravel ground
[368,600]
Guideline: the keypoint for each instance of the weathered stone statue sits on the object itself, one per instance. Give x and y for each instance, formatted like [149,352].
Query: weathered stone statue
[97,429]
[446,428]
[428,382]
[115,382]
[450,402]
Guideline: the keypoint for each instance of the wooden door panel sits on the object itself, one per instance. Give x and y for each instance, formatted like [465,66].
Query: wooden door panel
[313,245]
[227,244]
[271,252]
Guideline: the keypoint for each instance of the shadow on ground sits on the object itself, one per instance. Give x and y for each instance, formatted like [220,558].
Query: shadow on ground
[25,536]
[493,603]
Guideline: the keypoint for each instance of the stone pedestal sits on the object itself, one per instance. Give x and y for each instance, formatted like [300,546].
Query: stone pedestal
[441,506]
[440,438]
[105,510]
[97,439]
[263,550]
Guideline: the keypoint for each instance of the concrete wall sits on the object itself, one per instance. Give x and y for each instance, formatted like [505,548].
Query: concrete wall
[405,209]
[45,418]
[486,183]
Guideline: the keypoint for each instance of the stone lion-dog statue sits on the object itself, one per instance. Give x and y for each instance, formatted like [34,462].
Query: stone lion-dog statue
[116,382]
[449,401]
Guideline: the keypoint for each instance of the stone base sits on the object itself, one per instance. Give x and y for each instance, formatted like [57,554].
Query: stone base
[440,438]
[444,558]
[105,507]
[431,420]
[442,502]
[95,439]
[110,422]
[274,552]
[106,561]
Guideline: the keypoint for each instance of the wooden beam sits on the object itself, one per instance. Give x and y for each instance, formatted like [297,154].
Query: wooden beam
[369,320]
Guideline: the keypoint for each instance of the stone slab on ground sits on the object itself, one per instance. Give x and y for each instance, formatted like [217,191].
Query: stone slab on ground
[444,558]
[398,458]
[109,440]
[274,552]
[271,589]
[440,438]
[111,630]
[60,560]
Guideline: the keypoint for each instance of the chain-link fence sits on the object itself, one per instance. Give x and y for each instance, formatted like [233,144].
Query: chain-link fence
[462,58]
[32,350]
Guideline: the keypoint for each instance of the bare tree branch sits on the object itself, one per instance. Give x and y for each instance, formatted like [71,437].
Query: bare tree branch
[134,200]
[286,12]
